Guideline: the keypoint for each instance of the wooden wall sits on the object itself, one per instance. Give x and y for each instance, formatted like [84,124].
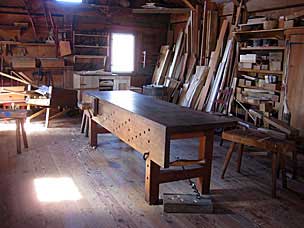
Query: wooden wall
[150,30]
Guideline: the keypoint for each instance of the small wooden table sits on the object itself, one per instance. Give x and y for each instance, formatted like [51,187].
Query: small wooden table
[20,117]
[148,125]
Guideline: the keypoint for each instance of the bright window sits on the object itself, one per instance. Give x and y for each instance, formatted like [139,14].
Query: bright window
[122,56]
[74,1]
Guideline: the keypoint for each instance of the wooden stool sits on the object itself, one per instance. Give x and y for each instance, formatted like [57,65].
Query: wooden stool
[84,128]
[279,148]
[19,116]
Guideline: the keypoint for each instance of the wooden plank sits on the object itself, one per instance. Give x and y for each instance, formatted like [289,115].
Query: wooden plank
[177,54]
[220,76]
[14,78]
[161,65]
[212,66]
[193,89]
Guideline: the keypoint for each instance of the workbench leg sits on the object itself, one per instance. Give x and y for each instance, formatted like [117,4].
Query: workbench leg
[93,132]
[205,152]
[274,174]
[25,143]
[18,137]
[239,158]
[227,159]
[152,182]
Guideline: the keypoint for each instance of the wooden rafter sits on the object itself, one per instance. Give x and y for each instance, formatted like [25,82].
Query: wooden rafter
[26,5]
[189,4]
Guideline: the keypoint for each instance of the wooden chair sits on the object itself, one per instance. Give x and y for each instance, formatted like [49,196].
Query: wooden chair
[279,149]
[19,116]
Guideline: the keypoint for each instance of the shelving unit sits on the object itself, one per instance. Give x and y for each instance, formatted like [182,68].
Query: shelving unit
[91,51]
[253,90]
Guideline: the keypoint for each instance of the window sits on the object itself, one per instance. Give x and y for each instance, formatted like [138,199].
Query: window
[73,1]
[122,53]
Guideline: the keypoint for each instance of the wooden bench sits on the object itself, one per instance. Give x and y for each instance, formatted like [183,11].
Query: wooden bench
[19,116]
[279,148]
[149,125]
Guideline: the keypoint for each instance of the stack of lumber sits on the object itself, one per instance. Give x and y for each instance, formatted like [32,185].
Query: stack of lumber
[198,69]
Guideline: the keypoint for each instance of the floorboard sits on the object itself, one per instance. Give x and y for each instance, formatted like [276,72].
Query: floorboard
[110,180]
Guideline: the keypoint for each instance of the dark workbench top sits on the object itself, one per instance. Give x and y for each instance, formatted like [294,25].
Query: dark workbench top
[174,117]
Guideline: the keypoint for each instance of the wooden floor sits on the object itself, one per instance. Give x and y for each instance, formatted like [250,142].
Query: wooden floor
[111,182]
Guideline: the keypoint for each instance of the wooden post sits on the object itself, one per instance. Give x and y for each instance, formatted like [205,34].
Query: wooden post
[93,132]
[18,137]
[152,182]
[205,152]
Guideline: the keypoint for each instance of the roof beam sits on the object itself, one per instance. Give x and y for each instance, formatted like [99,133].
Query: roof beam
[189,4]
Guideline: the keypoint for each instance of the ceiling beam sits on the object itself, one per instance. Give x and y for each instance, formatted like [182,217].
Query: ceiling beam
[162,11]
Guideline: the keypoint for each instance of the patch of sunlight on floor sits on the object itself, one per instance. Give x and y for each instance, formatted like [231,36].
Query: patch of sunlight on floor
[29,127]
[56,189]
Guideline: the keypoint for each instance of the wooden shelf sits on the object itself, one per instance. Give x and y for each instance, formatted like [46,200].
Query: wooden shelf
[90,46]
[260,71]
[25,44]
[90,56]
[270,48]
[260,34]
[256,87]
[91,35]
[259,31]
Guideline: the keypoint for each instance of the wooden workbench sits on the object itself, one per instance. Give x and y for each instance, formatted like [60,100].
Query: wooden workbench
[148,125]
